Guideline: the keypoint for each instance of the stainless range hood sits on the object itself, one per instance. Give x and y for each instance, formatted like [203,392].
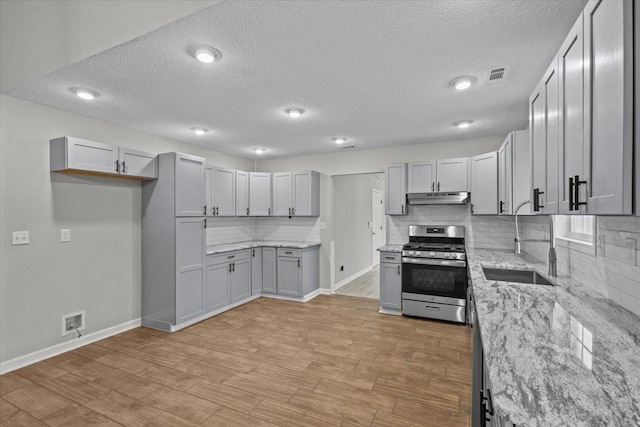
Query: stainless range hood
[461,198]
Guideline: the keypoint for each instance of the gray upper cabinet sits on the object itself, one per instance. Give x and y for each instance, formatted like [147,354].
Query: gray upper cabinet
[452,175]
[296,193]
[259,194]
[608,108]
[269,279]
[189,185]
[505,177]
[484,184]
[396,189]
[75,155]
[281,186]
[256,271]
[224,191]
[242,193]
[190,262]
[422,177]
[521,171]
[208,191]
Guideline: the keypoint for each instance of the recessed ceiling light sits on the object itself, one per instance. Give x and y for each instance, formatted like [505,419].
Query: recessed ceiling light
[462,124]
[462,83]
[259,150]
[199,131]
[294,112]
[339,139]
[84,93]
[206,54]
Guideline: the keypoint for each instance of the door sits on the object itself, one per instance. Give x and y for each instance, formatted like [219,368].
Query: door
[571,103]
[422,177]
[138,163]
[208,191]
[505,177]
[391,286]
[91,156]
[396,190]
[259,194]
[224,191]
[608,129]
[190,186]
[218,289]
[377,230]
[240,280]
[256,271]
[269,270]
[306,187]
[289,276]
[484,184]
[190,263]
[242,193]
[452,175]
[281,186]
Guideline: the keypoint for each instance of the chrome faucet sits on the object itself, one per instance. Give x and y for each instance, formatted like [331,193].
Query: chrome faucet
[553,258]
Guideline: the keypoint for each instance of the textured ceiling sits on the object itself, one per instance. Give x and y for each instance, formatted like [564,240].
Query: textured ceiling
[375,72]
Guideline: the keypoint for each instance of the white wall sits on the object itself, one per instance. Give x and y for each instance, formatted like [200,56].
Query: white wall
[352,214]
[38,37]
[374,160]
[100,270]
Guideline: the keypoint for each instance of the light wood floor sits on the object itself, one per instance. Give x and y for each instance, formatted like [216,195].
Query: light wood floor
[334,361]
[365,286]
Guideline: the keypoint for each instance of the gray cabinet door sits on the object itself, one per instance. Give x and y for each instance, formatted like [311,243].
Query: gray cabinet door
[91,156]
[242,193]
[289,276]
[190,263]
[608,121]
[189,185]
[422,177]
[218,286]
[484,184]
[538,146]
[240,280]
[224,191]
[282,201]
[452,175]
[396,190]
[208,190]
[259,194]
[138,163]
[505,176]
[391,286]
[306,193]
[269,270]
[256,271]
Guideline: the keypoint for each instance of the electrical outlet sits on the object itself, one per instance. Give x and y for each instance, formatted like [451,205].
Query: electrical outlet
[20,238]
[630,253]
[65,235]
[73,322]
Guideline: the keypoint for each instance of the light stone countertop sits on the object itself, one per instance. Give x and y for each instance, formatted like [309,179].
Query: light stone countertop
[229,247]
[556,355]
[390,248]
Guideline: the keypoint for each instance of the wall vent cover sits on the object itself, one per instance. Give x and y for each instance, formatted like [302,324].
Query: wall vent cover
[497,74]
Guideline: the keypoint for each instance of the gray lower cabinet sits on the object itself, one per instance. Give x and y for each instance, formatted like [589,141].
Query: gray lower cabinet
[390,281]
[228,278]
[240,279]
[297,271]
[256,271]
[218,290]
[190,257]
[289,276]
[269,270]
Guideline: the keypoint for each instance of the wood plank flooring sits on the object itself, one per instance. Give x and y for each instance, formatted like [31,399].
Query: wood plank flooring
[333,361]
[365,286]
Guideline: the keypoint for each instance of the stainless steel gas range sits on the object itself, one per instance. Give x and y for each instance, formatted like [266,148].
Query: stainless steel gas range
[434,273]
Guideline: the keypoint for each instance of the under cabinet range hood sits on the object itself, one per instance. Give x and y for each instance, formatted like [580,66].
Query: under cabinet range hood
[461,198]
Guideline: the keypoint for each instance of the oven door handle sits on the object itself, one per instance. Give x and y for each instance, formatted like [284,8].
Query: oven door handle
[437,262]
[431,307]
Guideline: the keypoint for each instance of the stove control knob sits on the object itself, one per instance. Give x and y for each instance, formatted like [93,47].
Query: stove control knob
[417,252]
[410,252]
[432,254]
[447,255]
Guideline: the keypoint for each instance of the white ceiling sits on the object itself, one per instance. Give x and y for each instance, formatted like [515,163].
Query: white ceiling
[375,72]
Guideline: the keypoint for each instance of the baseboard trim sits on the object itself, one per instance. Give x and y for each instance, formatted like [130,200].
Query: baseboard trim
[324,291]
[390,311]
[175,328]
[306,298]
[352,277]
[54,350]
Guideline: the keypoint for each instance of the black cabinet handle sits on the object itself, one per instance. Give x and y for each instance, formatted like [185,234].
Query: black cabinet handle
[398,269]
[247,211]
[124,168]
[205,223]
[253,251]
[117,166]
[402,209]
[293,211]
[572,194]
[438,185]
[536,199]
[231,257]
[269,211]
[576,197]
[288,252]
[233,266]
[229,267]
[289,211]
[471,207]
[298,263]
[205,209]
[501,206]
[389,257]
[433,185]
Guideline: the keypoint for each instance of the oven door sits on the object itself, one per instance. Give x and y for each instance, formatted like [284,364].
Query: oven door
[442,278]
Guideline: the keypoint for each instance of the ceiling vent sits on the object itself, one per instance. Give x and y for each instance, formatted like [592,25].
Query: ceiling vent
[496,75]
[345,147]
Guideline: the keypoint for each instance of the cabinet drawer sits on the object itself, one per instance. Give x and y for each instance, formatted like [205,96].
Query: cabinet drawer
[296,253]
[391,257]
[228,257]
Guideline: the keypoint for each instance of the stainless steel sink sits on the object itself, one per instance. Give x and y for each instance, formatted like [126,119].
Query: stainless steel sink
[520,276]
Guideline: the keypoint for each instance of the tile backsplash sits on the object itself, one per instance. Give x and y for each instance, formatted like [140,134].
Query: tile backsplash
[609,268]
[481,231]
[221,230]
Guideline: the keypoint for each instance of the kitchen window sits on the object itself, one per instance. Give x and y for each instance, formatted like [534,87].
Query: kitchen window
[579,229]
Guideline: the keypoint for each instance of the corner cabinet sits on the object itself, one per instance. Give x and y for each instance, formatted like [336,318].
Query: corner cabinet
[396,189]
[259,194]
[269,279]
[391,281]
[74,155]
[484,184]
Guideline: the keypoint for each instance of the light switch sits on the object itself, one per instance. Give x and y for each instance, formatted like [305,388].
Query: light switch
[65,235]
[20,238]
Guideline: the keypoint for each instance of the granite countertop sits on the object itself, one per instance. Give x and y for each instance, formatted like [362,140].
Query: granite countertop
[216,249]
[390,248]
[556,355]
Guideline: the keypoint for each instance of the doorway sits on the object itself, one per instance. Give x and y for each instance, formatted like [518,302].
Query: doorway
[377,225]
